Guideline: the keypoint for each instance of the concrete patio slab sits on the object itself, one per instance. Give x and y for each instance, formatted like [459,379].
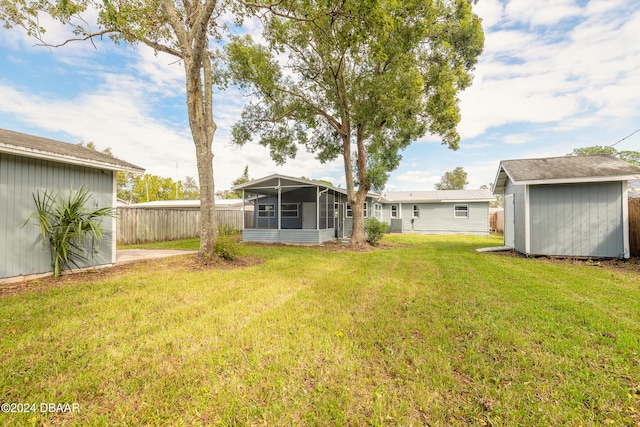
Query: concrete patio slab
[124,256]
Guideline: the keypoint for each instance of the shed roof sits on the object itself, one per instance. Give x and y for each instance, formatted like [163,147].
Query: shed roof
[567,169]
[25,145]
[438,196]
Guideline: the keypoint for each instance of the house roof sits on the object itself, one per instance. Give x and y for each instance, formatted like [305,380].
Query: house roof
[271,183]
[438,196]
[567,169]
[25,145]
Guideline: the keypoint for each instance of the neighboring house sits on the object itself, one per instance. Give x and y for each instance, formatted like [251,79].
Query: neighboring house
[221,204]
[436,211]
[29,164]
[293,210]
[573,206]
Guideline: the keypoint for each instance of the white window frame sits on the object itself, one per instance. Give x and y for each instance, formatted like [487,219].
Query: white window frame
[285,208]
[377,210]
[393,213]
[415,211]
[267,208]
[348,213]
[458,209]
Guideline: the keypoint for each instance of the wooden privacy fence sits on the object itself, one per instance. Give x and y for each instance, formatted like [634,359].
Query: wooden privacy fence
[634,226]
[496,221]
[143,225]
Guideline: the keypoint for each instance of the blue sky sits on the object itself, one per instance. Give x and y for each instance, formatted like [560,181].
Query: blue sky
[555,75]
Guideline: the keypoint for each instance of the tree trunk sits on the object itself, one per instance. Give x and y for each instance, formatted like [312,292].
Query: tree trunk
[208,224]
[358,235]
[356,198]
[203,127]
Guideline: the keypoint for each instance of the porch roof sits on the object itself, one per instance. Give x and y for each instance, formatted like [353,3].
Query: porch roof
[272,183]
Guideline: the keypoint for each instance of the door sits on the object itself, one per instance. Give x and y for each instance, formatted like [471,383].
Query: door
[309,215]
[509,221]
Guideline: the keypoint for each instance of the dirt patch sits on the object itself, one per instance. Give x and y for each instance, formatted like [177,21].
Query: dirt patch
[185,262]
[629,265]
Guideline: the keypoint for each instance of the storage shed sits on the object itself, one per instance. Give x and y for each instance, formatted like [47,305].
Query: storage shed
[29,164]
[575,206]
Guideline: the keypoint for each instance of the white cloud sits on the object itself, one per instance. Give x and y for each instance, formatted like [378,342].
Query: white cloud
[418,177]
[541,12]
[518,138]
[530,75]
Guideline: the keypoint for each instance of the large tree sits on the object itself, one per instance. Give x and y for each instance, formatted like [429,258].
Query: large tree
[626,155]
[453,180]
[182,29]
[360,79]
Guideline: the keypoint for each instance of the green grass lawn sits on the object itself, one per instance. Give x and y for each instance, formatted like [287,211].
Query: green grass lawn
[423,331]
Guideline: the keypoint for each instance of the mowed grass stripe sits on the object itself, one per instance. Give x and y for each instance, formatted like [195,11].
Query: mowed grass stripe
[421,331]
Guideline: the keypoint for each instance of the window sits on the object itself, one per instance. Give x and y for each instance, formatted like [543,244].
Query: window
[289,210]
[267,210]
[415,211]
[394,211]
[377,210]
[461,211]
[349,213]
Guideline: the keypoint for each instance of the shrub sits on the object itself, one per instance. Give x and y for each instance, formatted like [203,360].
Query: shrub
[375,230]
[65,223]
[226,247]
[227,230]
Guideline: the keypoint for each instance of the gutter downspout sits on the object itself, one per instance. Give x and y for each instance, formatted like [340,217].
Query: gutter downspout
[279,203]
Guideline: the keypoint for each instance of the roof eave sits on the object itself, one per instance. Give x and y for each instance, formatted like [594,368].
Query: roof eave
[27,152]
[578,180]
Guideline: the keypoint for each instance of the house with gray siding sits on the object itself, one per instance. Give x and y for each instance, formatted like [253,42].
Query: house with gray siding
[575,206]
[437,211]
[29,164]
[293,210]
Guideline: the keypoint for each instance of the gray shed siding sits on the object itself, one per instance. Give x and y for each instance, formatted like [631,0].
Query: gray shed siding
[577,219]
[438,218]
[21,249]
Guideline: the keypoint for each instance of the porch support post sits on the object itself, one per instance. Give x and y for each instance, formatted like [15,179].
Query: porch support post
[244,213]
[317,208]
[279,203]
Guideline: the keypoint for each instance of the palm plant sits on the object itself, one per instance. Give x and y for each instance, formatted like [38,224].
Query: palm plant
[65,222]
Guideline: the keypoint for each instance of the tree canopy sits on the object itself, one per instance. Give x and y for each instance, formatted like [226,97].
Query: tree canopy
[628,156]
[359,79]
[182,29]
[453,180]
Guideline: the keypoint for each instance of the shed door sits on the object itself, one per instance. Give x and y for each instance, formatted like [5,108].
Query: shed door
[509,223]
[309,215]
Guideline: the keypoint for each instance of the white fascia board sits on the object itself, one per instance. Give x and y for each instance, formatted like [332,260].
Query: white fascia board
[409,201]
[501,170]
[26,152]
[577,180]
